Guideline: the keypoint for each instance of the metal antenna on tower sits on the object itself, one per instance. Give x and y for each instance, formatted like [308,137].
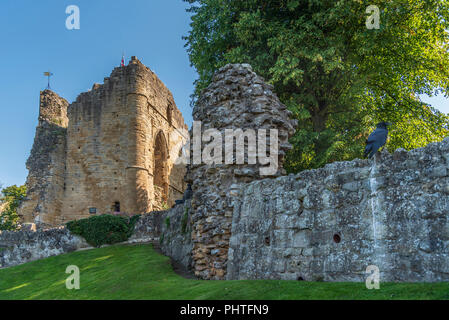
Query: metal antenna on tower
[48,74]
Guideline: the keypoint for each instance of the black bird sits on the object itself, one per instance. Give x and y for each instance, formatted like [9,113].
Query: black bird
[376,139]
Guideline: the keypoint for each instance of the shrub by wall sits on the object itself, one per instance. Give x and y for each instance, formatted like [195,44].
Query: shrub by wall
[103,229]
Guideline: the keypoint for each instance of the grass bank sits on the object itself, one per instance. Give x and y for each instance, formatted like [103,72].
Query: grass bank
[139,272]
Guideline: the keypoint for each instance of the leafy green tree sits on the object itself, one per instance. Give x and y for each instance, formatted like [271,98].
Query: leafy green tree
[12,197]
[338,77]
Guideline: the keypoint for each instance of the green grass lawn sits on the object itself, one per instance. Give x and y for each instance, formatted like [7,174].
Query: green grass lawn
[139,272]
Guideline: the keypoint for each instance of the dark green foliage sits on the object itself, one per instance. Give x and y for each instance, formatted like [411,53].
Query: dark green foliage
[184,220]
[337,77]
[103,229]
[12,197]
[161,239]
[167,222]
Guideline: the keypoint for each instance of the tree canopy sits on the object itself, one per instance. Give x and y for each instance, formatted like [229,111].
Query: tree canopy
[338,77]
[12,197]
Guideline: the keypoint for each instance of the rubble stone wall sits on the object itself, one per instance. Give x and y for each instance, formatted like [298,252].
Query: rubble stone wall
[237,98]
[175,234]
[326,224]
[31,243]
[24,246]
[332,223]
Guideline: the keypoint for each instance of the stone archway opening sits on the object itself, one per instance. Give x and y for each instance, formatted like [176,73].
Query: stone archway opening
[160,172]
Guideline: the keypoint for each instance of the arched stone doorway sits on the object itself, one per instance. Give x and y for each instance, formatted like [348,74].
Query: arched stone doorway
[160,170]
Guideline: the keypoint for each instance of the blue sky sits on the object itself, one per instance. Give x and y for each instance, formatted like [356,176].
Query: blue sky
[34,39]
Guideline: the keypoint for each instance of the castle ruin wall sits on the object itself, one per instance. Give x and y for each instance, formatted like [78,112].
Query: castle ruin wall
[332,223]
[46,164]
[326,224]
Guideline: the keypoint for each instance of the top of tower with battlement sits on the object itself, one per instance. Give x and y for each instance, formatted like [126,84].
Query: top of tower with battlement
[134,78]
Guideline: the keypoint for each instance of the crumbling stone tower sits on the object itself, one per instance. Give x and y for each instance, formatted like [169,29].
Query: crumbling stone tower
[237,98]
[112,150]
[46,164]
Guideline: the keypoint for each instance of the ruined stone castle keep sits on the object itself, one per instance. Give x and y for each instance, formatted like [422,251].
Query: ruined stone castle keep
[326,224]
[112,150]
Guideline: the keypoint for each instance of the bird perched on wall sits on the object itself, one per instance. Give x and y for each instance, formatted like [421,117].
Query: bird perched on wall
[376,139]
